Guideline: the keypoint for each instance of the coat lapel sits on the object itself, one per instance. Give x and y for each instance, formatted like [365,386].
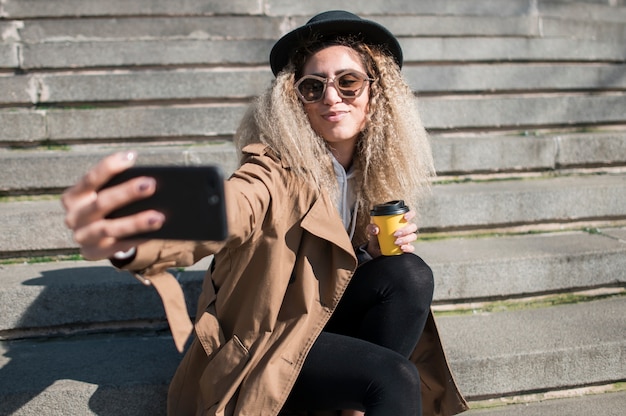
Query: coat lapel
[323,221]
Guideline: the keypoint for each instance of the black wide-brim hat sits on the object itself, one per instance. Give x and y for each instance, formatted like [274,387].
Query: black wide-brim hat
[329,25]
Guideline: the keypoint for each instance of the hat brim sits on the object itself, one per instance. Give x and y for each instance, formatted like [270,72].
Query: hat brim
[371,32]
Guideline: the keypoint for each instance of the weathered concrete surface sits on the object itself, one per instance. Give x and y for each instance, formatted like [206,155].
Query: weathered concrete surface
[206,120]
[220,83]
[452,206]
[39,169]
[607,404]
[500,353]
[58,169]
[546,348]
[464,269]
[485,71]
[54,8]
[514,202]
[8,55]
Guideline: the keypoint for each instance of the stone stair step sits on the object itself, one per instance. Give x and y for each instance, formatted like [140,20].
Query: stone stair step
[266,27]
[32,170]
[497,267]
[71,8]
[525,201]
[521,77]
[529,111]
[9,55]
[244,83]
[494,354]
[121,374]
[606,404]
[136,86]
[402,7]
[525,265]
[270,27]
[206,121]
[17,90]
[527,152]
[58,169]
[607,23]
[76,8]
[167,52]
[589,149]
[418,25]
[96,296]
[510,49]
[606,11]
[44,170]
[537,349]
[528,25]
[206,28]
[616,233]
[19,124]
[122,124]
[612,27]
[89,54]
[9,30]
[456,206]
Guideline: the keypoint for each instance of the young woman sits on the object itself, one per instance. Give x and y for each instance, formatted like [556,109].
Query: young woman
[300,313]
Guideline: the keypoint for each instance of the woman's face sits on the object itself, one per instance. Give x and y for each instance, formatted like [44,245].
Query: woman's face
[337,120]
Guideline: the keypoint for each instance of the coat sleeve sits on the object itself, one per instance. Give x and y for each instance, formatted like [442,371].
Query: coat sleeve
[248,196]
[247,199]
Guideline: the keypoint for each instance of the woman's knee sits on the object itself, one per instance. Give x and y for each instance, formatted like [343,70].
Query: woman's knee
[409,274]
[398,382]
[407,374]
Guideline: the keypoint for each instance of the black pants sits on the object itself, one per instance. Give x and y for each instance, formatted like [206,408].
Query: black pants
[360,361]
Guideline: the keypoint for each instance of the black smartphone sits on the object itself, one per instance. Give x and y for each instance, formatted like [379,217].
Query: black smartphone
[190,197]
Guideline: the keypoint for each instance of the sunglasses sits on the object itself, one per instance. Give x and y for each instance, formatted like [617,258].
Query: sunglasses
[349,84]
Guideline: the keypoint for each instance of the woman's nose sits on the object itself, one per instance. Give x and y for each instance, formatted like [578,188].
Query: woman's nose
[331,96]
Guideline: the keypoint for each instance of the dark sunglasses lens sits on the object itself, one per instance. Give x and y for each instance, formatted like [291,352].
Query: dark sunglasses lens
[350,85]
[311,89]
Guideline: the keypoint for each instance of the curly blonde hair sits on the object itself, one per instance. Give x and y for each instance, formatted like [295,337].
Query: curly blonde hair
[393,157]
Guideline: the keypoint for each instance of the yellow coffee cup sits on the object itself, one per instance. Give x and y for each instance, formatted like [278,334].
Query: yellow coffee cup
[389,217]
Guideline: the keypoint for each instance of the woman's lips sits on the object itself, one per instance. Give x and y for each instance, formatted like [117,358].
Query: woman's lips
[334,116]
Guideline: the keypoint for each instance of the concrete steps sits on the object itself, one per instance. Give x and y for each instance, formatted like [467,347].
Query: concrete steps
[497,267]
[562,346]
[525,231]
[63,8]
[461,156]
[190,122]
[500,353]
[609,404]
[203,84]
[169,52]
[460,206]
[124,374]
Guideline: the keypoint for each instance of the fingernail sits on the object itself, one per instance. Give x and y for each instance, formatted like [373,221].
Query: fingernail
[146,184]
[129,156]
[156,219]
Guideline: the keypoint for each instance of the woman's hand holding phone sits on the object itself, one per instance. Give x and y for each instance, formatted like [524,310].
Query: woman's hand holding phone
[86,208]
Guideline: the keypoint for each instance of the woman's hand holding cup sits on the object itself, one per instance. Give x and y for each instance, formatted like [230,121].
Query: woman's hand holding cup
[391,231]
[86,208]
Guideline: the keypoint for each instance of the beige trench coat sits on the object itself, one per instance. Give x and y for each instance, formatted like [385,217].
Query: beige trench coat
[273,285]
